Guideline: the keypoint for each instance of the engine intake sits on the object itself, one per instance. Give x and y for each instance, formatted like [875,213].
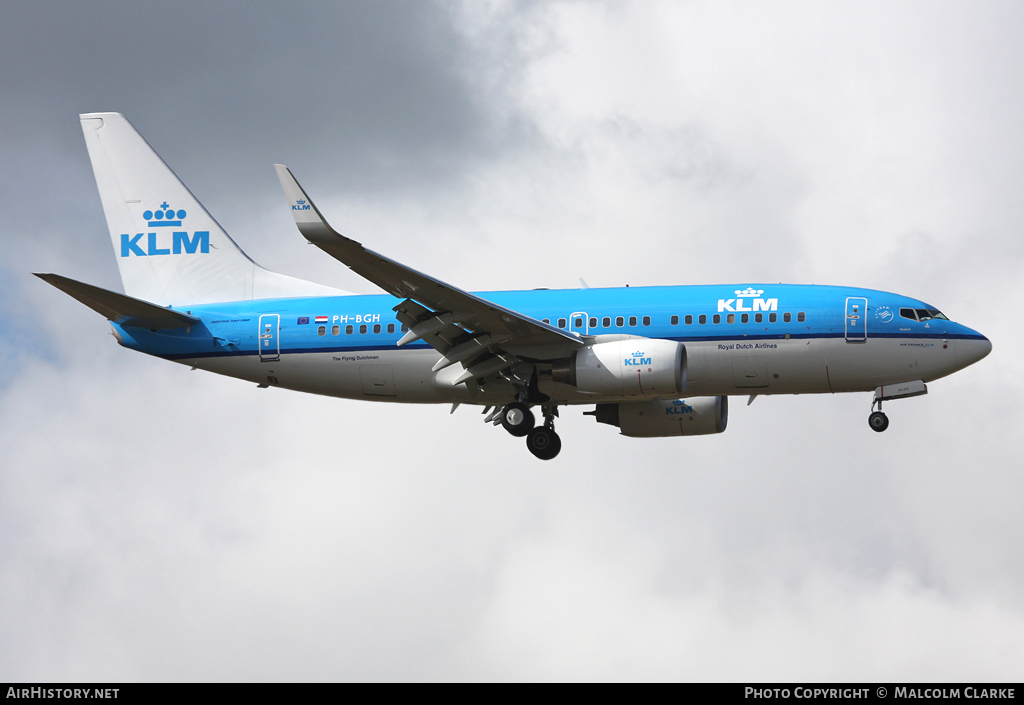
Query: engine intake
[635,367]
[698,416]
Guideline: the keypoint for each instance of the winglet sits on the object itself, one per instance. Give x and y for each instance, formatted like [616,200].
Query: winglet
[308,217]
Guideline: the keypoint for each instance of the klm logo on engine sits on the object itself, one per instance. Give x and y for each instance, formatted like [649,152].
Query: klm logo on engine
[679,406]
[748,296]
[300,205]
[637,360]
[164,243]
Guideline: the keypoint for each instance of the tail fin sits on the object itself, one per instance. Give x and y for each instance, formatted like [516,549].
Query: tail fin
[169,249]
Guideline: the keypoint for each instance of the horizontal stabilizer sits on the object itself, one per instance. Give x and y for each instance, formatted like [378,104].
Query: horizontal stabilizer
[121,309]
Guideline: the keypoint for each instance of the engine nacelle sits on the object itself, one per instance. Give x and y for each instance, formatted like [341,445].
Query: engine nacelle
[634,367]
[697,416]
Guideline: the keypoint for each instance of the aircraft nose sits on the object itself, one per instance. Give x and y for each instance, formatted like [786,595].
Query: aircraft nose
[970,350]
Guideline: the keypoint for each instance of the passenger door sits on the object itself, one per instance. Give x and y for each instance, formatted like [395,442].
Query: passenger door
[269,338]
[856,319]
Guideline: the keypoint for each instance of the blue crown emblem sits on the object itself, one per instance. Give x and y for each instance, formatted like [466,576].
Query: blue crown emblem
[164,217]
[300,202]
[638,354]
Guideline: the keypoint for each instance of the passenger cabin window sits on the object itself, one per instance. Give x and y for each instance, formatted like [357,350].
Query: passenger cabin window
[619,321]
[546,320]
[647,320]
[350,329]
[322,330]
[405,328]
[561,323]
[577,323]
[632,320]
[758,317]
[593,323]
[391,327]
[688,319]
[675,320]
[787,317]
[362,329]
[731,318]
[717,318]
[801,317]
[606,322]
[772,317]
[376,328]
[702,319]
[745,318]
[335,330]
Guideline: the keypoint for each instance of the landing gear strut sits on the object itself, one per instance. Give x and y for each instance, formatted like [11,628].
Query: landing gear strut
[878,421]
[542,441]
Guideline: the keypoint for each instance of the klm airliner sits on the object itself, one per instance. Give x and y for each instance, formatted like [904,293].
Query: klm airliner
[652,361]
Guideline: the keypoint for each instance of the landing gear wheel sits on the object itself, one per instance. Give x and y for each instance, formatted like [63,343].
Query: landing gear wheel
[544,443]
[517,419]
[878,421]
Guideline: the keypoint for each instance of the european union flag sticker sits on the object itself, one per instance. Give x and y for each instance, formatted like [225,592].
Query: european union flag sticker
[303,320]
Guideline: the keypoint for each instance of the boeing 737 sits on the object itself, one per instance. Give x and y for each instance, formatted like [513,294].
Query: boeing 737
[652,361]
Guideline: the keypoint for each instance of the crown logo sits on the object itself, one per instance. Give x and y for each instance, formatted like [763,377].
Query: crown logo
[164,217]
[749,291]
[300,202]
[638,354]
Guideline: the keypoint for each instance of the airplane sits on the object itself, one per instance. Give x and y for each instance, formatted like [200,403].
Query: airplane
[653,361]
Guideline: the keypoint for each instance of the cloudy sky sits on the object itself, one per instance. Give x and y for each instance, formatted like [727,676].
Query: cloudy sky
[159,523]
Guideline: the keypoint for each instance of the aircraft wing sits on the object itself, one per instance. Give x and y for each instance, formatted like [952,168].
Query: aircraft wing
[458,324]
[121,309]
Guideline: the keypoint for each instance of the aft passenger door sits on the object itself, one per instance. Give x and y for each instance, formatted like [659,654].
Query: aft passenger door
[856,320]
[269,336]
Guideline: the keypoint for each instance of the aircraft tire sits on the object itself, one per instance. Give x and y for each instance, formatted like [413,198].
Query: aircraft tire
[544,443]
[878,421]
[517,419]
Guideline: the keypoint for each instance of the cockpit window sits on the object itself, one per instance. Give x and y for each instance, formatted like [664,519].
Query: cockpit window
[922,314]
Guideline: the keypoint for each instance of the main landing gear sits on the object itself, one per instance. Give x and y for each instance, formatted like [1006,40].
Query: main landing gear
[878,421]
[542,441]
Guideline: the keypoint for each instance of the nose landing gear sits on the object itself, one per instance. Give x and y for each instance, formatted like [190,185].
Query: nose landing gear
[878,421]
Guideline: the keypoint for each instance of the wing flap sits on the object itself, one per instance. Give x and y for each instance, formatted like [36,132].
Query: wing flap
[121,309]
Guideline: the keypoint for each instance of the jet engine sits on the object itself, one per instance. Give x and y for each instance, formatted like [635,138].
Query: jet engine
[697,416]
[633,367]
